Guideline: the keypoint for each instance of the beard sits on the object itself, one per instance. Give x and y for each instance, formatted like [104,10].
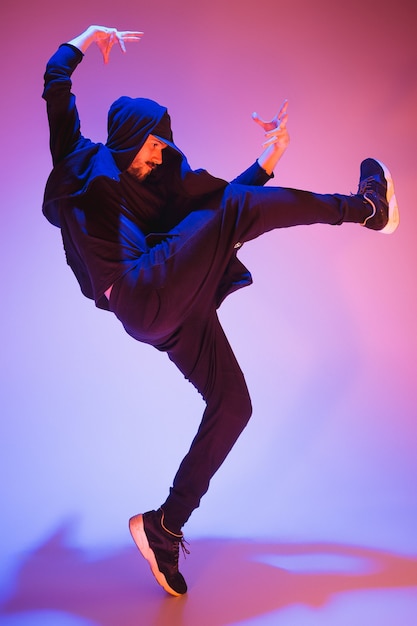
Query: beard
[142,171]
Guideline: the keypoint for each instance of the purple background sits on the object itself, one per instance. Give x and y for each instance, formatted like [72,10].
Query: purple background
[93,424]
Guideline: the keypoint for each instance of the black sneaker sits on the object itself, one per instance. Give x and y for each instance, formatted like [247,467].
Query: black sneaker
[160,547]
[377,188]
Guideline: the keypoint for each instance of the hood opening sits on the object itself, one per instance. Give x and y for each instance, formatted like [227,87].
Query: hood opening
[130,122]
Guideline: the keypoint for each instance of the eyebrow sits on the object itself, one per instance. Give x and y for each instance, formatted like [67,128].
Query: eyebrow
[156,140]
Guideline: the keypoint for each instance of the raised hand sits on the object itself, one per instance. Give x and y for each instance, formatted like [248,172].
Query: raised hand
[277,138]
[275,129]
[105,38]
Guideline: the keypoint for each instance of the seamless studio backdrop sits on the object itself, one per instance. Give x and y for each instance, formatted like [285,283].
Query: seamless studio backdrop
[94,424]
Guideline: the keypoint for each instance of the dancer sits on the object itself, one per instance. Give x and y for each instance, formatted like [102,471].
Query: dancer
[156,243]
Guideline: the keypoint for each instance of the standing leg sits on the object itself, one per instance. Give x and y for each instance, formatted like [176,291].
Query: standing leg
[204,356]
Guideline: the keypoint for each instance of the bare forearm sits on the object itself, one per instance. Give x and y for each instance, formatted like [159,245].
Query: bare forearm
[83,41]
[270,157]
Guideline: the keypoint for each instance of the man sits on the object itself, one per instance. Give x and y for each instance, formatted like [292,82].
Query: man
[155,243]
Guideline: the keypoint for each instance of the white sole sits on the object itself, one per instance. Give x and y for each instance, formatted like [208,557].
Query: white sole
[137,530]
[393,211]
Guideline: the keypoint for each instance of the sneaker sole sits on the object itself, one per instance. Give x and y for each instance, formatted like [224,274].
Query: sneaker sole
[137,530]
[393,212]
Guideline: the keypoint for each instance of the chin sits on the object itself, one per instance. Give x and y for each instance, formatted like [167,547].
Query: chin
[140,176]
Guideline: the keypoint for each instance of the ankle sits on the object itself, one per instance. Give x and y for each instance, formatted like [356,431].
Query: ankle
[371,209]
[358,209]
[170,529]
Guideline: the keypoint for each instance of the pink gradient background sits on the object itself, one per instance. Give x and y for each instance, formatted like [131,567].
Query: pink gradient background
[326,336]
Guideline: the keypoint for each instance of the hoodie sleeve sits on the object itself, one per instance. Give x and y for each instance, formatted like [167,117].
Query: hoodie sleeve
[255,175]
[64,123]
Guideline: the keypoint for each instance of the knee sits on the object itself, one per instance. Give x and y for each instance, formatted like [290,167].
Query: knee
[239,407]
[246,409]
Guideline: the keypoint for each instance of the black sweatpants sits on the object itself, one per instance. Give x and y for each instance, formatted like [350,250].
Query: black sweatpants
[169,301]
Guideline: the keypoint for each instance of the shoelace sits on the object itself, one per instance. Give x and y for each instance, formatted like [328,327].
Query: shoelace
[176,545]
[367,184]
[179,541]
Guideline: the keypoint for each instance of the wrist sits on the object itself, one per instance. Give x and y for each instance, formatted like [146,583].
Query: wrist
[268,159]
[83,41]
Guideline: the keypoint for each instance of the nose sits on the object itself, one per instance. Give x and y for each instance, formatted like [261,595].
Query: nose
[157,156]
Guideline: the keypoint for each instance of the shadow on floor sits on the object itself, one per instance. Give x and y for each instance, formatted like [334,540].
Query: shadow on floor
[229,581]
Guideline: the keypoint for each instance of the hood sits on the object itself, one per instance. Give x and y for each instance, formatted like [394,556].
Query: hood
[130,122]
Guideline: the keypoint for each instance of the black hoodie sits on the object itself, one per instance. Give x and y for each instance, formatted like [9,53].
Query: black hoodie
[85,191]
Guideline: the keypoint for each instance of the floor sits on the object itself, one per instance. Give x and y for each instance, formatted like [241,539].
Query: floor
[230,582]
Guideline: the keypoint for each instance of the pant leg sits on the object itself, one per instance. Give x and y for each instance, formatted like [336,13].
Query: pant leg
[203,354]
[168,282]
[257,210]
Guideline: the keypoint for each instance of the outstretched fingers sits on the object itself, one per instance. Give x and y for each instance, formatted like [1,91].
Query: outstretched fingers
[275,129]
[128,36]
[107,37]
